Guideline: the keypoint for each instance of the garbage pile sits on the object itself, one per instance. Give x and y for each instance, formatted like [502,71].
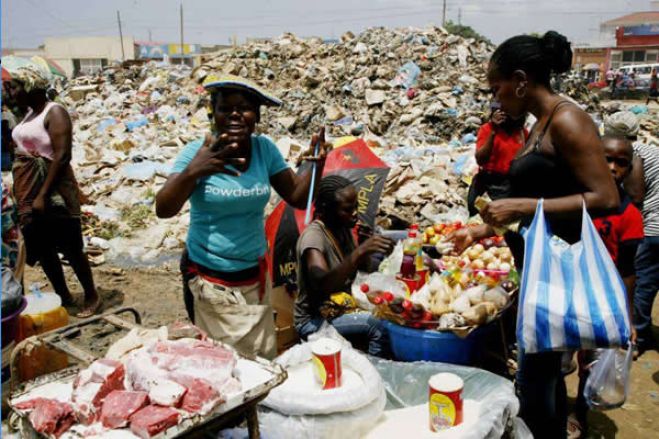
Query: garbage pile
[128,127]
[418,96]
[401,84]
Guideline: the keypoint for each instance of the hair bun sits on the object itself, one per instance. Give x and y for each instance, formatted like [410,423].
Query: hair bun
[557,50]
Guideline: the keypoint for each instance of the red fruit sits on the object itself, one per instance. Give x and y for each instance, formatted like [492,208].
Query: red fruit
[387,296]
[407,305]
[427,316]
[378,301]
[364,288]
[458,224]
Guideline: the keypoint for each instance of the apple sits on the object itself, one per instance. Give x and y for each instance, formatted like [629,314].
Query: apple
[364,287]
[387,296]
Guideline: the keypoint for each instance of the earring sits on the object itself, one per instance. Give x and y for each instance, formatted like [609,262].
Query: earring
[520,92]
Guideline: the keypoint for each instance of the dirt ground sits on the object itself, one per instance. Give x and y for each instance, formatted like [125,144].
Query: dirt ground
[156,293]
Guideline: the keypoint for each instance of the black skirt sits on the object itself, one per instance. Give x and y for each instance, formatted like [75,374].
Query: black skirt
[44,234]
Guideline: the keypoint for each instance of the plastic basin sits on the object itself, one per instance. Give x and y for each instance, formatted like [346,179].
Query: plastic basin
[409,344]
[11,324]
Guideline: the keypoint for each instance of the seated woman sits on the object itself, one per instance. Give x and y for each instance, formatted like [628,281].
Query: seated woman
[328,259]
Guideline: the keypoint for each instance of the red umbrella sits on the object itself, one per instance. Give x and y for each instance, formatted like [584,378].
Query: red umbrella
[357,163]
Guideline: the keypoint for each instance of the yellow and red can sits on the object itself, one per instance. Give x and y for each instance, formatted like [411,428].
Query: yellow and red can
[326,356]
[445,401]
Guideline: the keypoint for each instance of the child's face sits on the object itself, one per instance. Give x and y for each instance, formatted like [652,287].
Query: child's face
[619,157]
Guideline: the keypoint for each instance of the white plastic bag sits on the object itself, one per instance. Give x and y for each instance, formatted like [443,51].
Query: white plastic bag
[330,414]
[608,382]
[391,264]
[376,282]
[289,400]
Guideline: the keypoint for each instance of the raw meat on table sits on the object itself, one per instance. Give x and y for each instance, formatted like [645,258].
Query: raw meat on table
[201,397]
[120,405]
[49,416]
[152,420]
[180,329]
[93,384]
[166,392]
[197,359]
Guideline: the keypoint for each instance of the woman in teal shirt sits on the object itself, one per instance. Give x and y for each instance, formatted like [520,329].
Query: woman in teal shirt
[228,178]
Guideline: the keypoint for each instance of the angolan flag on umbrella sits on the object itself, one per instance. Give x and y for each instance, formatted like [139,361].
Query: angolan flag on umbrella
[357,163]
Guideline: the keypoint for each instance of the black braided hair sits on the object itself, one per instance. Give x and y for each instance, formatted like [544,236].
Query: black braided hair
[327,190]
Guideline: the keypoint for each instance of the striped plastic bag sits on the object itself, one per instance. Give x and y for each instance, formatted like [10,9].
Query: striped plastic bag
[571,296]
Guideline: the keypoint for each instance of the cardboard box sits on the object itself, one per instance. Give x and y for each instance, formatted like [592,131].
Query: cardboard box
[283,304]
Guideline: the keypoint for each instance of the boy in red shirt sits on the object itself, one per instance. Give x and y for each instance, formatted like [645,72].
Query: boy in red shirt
[621,232]
[497,144]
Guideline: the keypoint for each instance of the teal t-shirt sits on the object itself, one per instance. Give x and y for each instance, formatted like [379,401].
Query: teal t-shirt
[227,231]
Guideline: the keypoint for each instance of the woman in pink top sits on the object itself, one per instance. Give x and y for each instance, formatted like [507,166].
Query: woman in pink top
[45,188]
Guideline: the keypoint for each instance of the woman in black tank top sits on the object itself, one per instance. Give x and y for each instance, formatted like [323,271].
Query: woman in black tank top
[563,163]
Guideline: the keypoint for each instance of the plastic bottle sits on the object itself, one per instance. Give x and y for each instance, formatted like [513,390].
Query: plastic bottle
[410,250]
[44,312]
[418,257]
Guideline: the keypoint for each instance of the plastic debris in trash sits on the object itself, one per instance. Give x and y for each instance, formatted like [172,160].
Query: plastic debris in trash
[136,123]
[407,76]
[105,123]
[468,138]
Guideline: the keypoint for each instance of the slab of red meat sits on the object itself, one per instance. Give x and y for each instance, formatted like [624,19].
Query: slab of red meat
[49,416]
[93,384]
[119,405]
[201,397]
[196,353]
[198,359]
[152,420]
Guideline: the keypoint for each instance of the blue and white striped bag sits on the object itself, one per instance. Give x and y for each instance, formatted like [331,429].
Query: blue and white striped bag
[571,296]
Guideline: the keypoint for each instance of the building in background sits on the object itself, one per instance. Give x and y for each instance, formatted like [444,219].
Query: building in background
[636,39]
[88,55]
[172,53]
[629,40]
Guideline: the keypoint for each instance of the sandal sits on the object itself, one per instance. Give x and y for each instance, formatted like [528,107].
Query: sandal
[574,429]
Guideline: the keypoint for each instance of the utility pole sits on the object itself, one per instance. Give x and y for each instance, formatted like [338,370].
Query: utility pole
[121,37]
[460,16]
[181,32]
[444,14]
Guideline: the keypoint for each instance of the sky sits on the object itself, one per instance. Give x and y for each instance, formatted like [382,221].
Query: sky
[25,23]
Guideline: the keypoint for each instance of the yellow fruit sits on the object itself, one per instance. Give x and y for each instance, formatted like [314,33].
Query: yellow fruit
[430,231]
[434,239]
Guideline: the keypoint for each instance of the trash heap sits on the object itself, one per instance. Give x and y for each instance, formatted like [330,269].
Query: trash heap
[404,85]
[128,127]
[418,97]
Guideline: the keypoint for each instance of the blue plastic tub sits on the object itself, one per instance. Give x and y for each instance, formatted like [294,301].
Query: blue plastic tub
[408,344]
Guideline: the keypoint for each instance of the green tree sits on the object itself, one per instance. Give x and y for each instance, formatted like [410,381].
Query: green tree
[464,31]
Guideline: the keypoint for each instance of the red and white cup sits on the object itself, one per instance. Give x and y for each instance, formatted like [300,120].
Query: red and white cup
[326,356]
[445,401]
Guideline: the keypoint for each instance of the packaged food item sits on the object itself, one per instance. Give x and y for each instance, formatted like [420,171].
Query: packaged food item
[445,401]
[326,357]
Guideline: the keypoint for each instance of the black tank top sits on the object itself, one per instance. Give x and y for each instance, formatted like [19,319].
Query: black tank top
[535,174]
